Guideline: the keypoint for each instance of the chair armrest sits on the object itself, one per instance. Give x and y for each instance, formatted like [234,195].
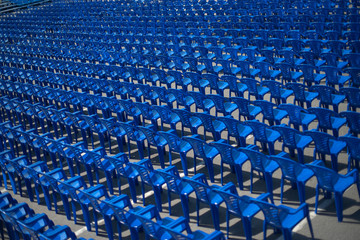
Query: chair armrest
[229,187]
[264,197]
[149,212]
[353,172]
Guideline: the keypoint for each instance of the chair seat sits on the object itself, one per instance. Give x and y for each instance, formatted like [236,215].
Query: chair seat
[309,96]
[262,90]
[244,131]
[296,75]
[337,123]
[285,93]
[343,183]
[254,72]
[303,141]
[279,114]
[336,99]
[272,135]
[318,77]
[336,146]
[307,118]
[254,110]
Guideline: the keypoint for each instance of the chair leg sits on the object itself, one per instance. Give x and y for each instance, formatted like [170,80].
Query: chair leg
[339,206]
[215,216]
[247,228]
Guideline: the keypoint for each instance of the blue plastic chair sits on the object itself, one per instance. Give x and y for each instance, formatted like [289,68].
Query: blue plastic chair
[284,218]
[187,121]
[326,144]
[50,180]
[334,76]
[235,85]
[353,97]
[353,152]
[328,96]
[152,139]
[332,182]
[353,121]
[175,185]
[214,83]
[263,165]
[58,231]
[230,155]
[277,91]
[263,134]
[210,125]
[293,139]
[241,207]
[254,88]
[167,116]
[93,197]
[298,116]
[204,194]
[287,73]
[354,73]
[175,144]
[235,129]
[246,69]
[201,102]
[181,98]
[311,59]
[144,169]
[294,172]
[267,70]
[328,120]
[301,95]
[270,113]
[248,111]
[69,189]
[162,227]
[119,207]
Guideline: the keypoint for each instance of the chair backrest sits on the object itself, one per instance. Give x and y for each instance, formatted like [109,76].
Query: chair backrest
[202,190]
[274,86]
[242,104]
[353,144]
[258,160]
[299,90]
[120,163]
[228,153]
[259,129]
[288,134]
[198,145]
[327,178]
[171,178]
[289,168]
[353,120]
[321,141]
[151,228]
[352,95]
[324,115]
[325,93]
[267,108]
[274,215]
[234,203]
[294,112]
[144,168]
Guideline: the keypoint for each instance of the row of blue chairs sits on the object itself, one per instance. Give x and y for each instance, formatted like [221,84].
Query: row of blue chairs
[240,130]
[230,155]
[264,70]
[19,218]
[328,120]
[93,197]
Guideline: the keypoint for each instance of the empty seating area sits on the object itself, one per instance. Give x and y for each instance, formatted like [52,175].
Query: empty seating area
[180,119]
